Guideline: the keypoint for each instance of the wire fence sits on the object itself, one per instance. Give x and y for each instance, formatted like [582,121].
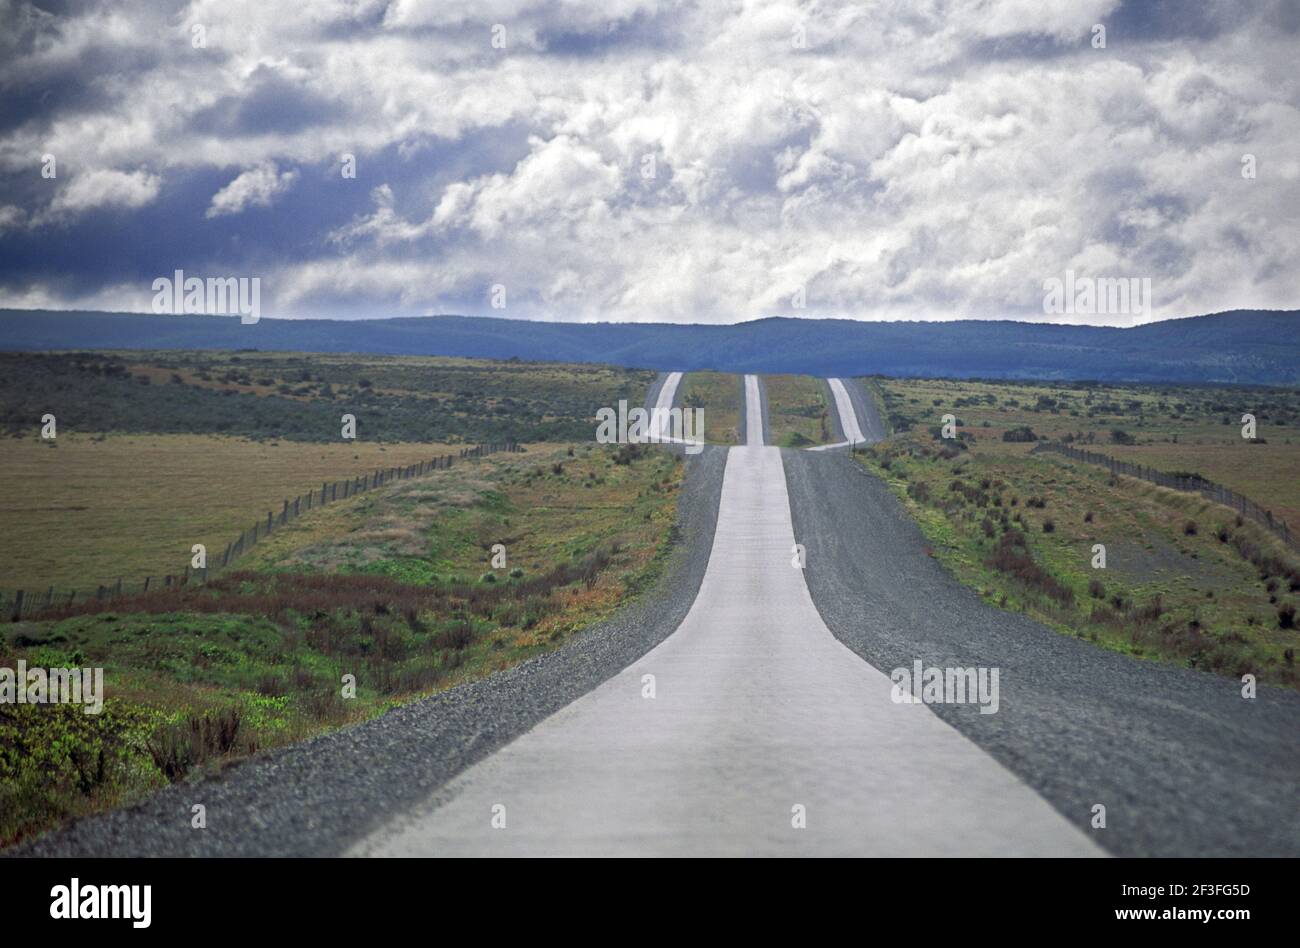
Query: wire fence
[1191,483]
[26,602]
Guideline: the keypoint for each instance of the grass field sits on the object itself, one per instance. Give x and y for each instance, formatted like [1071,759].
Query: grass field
[1184,580]
[1173,428]
[721,396]
[301,397]
[396,587]
[797,409]
[83,510]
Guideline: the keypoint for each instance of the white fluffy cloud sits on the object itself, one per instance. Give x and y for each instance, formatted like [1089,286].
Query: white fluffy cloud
[105,187]
[257,187]
[705,161]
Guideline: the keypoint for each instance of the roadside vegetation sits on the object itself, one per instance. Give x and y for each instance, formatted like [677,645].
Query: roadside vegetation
[1174,428]
[721,395]
[798,410]
[396,587]
[1185,579]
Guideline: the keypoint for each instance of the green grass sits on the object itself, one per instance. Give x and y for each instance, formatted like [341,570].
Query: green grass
[720,395]
[1175,427]
[1184,580]
[395,586]
[797,408]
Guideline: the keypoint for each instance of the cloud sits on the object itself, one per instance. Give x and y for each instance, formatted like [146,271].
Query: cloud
[104,188]
[657,159]
[257,187]
[11,216]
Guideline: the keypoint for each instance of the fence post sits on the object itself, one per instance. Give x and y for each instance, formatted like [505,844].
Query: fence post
[146,583]
[18,605]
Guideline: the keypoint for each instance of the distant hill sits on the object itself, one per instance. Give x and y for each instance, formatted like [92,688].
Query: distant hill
[1240,346]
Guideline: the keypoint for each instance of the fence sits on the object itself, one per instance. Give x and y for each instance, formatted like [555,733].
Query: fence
[25,602]
[1191,483]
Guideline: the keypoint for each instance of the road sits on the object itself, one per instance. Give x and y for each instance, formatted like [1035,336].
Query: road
[764,735]
[847,417]
[771,707]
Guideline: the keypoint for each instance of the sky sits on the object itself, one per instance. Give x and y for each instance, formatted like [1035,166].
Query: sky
[653,160]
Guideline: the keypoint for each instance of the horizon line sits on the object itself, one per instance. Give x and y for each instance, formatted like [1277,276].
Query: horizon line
[741,322]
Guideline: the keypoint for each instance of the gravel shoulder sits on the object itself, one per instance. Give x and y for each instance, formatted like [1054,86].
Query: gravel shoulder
[869,420]
[317,797]
[1183,764]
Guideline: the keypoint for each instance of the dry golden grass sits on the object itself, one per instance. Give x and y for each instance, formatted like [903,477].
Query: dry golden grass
[81,511]
[1268,473]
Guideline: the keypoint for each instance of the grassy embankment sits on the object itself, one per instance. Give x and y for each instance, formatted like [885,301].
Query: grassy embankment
[798,412]
[395,586]
[721,395]
[1185,580]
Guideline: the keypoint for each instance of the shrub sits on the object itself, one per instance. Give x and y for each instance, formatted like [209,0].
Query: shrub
[1189,528]
[1012,556]
[1286,616]
[1120,436]
[456,636]
[178,748]
[1096,589]
[1021,434]
[626,454]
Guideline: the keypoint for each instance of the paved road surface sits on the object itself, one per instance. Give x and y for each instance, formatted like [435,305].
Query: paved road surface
[759,716]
